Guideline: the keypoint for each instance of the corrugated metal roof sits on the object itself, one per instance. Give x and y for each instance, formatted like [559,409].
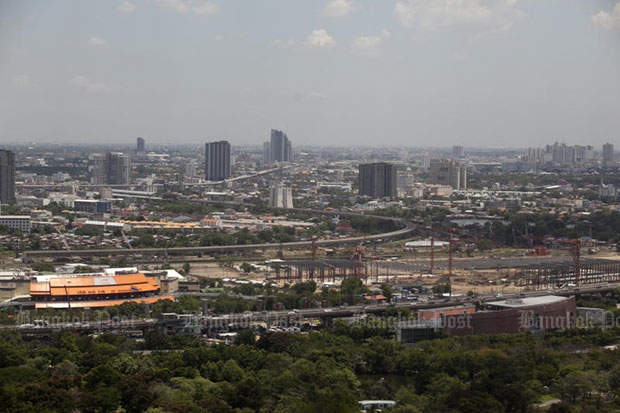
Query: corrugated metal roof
[95,284]
[99,303]
[527,301]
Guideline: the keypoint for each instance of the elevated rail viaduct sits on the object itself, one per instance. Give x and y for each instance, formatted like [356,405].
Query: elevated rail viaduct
[405,230]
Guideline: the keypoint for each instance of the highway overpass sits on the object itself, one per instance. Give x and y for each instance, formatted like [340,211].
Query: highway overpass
[29,256]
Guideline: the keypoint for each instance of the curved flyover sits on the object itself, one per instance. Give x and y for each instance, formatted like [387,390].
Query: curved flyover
[406,229]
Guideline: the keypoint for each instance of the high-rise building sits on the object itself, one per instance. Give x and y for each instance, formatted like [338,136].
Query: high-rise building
[561,154]
[267,152]
[404,180]
[448,172]
[217,161]
[535,155]
[98,169]
[377,180]
[279,149]
[280,196]
[608,154]
[584,154]
[119,168]
[607,191]
[111,168]
[140,146]
[190,168]
[7,177]
[458,151]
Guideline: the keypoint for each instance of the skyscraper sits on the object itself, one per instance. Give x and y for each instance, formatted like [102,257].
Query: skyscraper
[458,151]
[279,149]
[98,169]
[111,169]
[119,168]
[7,176]
[140,147]
[377,180]
[608,154]
[267,152]
[217,161]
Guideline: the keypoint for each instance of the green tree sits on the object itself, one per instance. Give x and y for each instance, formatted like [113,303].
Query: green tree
[484,245]
[386,289]
[440,289]
[43,267]
[246,336]
[351,286]
[83,269]
[89,231]
[305,288]
[576,384]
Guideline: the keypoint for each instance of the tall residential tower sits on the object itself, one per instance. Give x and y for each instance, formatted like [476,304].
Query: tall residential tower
[217,161]
[7,176]
[140,146]
[111,168]
[278,149]
[377,180]
[608,154]
[280,196]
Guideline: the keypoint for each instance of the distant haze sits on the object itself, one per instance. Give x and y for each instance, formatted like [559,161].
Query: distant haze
[479,73]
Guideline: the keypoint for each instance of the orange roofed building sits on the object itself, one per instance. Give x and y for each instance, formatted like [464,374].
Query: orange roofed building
[93,290]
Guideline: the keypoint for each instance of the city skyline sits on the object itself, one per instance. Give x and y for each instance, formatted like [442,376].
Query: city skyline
[331,73]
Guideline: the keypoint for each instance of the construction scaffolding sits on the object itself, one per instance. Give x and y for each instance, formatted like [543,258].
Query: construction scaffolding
[555,275]
[323,270]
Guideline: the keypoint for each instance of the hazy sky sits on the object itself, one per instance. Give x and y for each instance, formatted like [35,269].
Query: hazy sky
[484,73]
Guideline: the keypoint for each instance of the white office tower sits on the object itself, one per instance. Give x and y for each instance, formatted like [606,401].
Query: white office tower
[448,172]
[280,196]
[190,168]
[404,180]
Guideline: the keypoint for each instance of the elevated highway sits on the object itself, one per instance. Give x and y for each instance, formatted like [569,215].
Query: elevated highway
[407,228]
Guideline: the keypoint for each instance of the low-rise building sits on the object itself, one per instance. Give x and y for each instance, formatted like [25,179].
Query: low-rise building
[93,290]
[93,206]
[13,284]
[537,314]
[17,222]
[180,324]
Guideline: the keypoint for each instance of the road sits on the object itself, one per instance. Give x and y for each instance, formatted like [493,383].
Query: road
[406,229]
[297,316]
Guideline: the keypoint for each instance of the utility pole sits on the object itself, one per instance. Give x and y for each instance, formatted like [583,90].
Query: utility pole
[432,256]
[577,259]
[68,301]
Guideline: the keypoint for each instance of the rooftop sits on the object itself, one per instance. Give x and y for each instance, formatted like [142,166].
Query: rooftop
[527,301]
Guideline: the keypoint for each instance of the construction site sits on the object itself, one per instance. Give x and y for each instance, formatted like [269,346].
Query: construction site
[532,269]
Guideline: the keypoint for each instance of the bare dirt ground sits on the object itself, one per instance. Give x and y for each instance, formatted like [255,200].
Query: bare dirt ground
[461,283]
[413,269]
[211,270]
